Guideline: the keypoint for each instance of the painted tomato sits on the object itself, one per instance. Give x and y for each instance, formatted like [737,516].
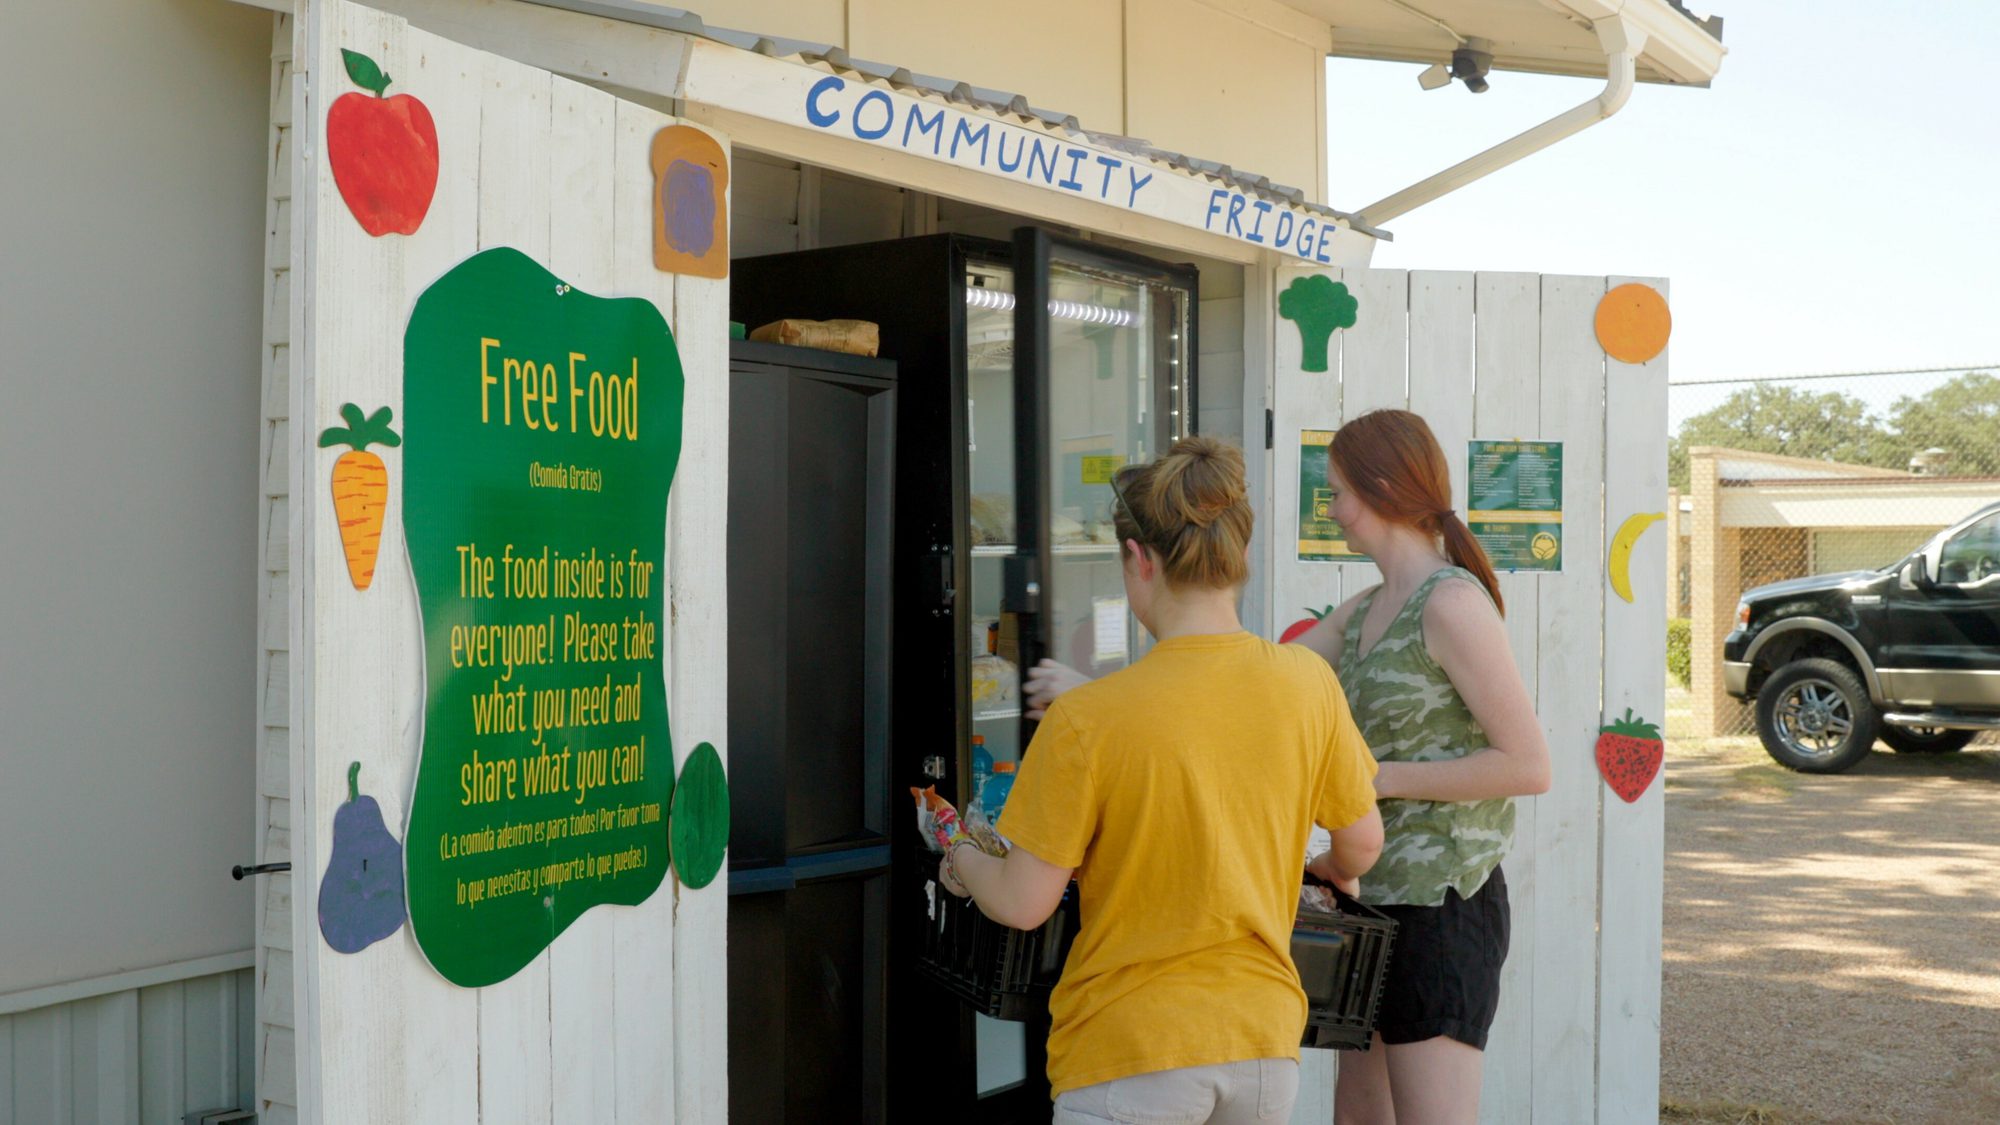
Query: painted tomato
[383,152]
[1304,625]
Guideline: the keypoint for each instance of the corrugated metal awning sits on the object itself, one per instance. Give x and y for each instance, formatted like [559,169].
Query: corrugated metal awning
[983,99]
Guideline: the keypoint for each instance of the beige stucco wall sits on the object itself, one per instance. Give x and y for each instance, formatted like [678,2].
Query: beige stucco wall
[1715,580]
[132,222]
[1236,81]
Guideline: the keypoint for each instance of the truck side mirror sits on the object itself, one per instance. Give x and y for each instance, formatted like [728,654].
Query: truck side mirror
[1917,573]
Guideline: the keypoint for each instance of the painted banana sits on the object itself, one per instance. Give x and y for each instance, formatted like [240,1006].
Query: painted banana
[1618,564]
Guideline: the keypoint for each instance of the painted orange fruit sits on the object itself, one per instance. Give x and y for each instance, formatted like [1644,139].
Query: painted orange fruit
[1633,323]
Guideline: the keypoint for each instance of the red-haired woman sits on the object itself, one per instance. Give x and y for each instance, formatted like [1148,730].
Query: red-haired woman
[1424,662]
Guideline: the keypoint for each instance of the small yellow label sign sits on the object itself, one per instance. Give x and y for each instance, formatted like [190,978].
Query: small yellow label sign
[1098,470]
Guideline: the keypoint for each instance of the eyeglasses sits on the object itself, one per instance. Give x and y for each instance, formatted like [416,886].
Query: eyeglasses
[1131,512]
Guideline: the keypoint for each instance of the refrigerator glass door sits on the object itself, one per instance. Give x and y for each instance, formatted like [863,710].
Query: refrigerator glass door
[994,744]
[995,706]
[1106,380]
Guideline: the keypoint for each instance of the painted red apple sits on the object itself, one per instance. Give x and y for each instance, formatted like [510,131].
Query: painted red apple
[1300,627]
[384,152]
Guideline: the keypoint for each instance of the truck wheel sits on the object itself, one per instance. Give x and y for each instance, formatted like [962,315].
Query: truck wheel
[1814,716]
[1925,740]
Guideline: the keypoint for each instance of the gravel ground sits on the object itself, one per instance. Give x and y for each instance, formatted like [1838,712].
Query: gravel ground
[1832,947]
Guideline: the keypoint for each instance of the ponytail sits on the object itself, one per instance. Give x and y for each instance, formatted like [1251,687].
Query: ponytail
[1464,551]
[1393,462]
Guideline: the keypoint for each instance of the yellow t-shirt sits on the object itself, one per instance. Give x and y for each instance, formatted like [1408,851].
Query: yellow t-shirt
[1182,789]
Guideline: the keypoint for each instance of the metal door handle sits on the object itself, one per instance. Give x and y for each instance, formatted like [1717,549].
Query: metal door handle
[239,871]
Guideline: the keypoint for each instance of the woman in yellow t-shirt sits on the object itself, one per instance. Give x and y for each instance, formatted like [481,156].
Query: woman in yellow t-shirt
[1180,793]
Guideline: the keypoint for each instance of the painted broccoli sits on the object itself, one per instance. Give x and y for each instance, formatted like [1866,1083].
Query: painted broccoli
[1319,305]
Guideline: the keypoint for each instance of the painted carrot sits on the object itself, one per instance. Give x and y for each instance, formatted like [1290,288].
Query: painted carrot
[360,487]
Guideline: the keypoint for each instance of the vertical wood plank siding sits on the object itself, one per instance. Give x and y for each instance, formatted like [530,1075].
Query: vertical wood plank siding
[275,1088]
[1502,356]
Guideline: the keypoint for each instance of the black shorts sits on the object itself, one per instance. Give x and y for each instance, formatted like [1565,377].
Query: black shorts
[1444,969]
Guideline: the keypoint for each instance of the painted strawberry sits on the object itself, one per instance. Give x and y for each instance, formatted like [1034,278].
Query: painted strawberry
[1300,627]
[1628,755]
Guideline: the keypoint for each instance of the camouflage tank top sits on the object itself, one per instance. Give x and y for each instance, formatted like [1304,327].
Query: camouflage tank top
[1409,712]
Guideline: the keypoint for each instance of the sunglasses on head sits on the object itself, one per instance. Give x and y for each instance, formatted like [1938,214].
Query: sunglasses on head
[1118,491]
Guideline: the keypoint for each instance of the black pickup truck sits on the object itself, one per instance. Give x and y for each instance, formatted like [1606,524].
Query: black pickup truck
[1909,653]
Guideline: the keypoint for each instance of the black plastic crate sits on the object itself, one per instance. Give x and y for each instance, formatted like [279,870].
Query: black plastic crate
[1342,958]
[1001,972]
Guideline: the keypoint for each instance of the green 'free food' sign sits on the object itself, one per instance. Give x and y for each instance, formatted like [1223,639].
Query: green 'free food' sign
[541,428]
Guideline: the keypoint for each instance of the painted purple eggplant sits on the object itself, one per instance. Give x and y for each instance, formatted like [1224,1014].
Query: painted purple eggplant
[361,895]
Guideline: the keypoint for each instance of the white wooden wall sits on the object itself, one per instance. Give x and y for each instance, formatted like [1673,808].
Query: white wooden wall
[1500,356]
[622,1019]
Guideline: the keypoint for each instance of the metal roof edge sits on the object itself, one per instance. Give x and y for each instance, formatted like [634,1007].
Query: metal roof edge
[999,102]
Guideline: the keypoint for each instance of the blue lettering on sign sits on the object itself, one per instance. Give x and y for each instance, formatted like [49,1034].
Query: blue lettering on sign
[984,145]
[888,116]
[916,121]
[1137,183]
[1263,209]
[970,137]
[1110,163]
[1034,159]
[819,117]
[1070,182]
[1009,165]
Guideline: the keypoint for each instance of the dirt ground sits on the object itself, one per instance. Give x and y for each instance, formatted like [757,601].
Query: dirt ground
[1832,947]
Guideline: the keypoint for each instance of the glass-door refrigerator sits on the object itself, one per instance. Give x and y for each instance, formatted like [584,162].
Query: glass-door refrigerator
[1029,372]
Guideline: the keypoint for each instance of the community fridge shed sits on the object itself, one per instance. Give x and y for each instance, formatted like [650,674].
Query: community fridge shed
[321,535]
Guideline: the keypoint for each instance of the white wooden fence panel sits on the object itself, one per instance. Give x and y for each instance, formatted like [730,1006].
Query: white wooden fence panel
[514,210]
[1562,929]
[1507,404]
[698,514]
[1374,354]
[1635,480]
[1305,401]
[1302,400]
[1441,364]
[586,1032]
[1374,368]
[1503,357]
[379,1036]
[582,246]
[643,936]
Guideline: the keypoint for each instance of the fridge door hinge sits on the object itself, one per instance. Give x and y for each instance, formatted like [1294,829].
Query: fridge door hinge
[943,589]
[1270,429]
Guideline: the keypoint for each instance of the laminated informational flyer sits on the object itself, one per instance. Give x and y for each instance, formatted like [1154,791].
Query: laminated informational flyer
[1514,502]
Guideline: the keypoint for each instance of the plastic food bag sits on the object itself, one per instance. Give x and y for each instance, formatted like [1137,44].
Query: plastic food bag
[937,821]
[855,337]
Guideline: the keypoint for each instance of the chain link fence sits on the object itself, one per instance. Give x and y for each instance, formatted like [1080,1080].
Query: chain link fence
[1779,479]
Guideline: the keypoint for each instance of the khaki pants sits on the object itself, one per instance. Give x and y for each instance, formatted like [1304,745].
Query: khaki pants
[1235,1093]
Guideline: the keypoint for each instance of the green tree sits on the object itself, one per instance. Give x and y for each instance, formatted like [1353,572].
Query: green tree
[1772,418]
[1961,417]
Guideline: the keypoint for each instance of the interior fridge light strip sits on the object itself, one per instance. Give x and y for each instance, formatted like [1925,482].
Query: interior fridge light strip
[1000,301]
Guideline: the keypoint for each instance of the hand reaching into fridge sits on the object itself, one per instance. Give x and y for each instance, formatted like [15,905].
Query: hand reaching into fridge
[1047,680]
